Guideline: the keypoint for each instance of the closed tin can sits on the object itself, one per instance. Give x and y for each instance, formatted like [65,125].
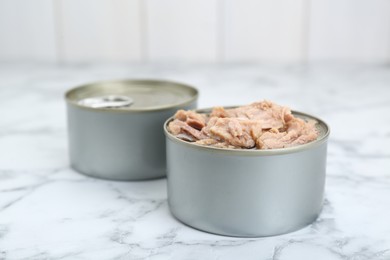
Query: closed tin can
[247,193]
[115,126]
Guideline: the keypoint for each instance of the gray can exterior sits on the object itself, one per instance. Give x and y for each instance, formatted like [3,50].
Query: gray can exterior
[124,145]
[246,194]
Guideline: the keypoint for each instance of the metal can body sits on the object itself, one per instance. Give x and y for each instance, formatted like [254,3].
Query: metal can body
[246,193]
[119,145]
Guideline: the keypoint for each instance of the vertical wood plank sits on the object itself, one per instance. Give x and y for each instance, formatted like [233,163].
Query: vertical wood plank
[182,30]
[27,30]
[265,30]
[349,30]
[99,30]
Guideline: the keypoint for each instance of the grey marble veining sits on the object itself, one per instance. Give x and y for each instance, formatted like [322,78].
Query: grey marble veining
[48,211]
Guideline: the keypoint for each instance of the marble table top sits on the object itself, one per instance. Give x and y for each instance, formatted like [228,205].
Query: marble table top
[49,211]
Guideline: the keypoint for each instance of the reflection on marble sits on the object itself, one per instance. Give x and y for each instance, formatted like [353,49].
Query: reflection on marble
[48,211]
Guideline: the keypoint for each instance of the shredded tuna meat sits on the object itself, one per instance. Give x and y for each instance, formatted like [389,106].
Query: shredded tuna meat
[260,125]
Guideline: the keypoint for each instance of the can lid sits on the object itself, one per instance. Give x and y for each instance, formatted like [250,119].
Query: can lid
[131,95]
[109,101]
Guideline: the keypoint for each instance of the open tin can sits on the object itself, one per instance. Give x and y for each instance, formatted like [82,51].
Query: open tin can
[246,193]
[115,126]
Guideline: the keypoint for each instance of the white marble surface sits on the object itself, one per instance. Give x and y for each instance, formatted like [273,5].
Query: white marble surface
[48,211]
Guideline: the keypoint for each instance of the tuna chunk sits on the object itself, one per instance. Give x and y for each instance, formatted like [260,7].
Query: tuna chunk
[269,114]
[215,143]
[260,125]
[231,131]
[183,130]
[219,112]
[192,118]
[297,132]
[208,141]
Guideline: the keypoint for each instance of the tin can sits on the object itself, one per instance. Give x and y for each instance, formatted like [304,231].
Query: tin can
[247,193]
[115,126]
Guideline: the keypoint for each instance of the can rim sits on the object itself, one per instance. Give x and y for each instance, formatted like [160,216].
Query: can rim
[193,90]
[252,152]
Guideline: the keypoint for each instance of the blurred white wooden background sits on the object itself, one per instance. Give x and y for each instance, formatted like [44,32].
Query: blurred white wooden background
[276,31]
